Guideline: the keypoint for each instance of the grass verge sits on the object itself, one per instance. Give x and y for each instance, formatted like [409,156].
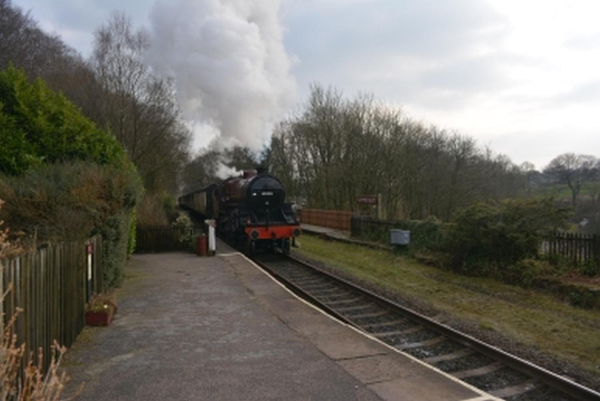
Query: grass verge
[531,319]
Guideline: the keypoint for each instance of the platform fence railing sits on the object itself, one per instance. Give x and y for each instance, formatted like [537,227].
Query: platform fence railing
[51,287]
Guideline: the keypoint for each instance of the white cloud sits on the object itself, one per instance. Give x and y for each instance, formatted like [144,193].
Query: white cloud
[519,75]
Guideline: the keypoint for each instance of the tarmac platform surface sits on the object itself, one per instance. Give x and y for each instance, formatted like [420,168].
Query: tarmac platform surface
[219,328]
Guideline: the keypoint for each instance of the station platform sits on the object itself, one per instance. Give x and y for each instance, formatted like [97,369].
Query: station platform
[342,236]
[219,328]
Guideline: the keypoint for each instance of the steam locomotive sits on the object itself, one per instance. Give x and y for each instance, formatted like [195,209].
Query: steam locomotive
[250,211]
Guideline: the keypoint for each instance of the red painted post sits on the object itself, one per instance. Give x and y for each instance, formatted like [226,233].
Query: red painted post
[201,245]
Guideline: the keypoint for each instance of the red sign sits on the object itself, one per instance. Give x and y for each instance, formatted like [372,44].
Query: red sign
[90,249]
[367,200]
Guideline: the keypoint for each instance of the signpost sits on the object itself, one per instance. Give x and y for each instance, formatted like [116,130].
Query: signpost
[371,200]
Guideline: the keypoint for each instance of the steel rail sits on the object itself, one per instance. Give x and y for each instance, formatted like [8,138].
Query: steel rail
[547,377]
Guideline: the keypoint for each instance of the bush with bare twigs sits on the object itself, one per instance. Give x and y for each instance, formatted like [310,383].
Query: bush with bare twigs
[69,201]
[29,382]
[7,248]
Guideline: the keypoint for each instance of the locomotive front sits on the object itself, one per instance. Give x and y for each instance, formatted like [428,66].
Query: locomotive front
[258,211]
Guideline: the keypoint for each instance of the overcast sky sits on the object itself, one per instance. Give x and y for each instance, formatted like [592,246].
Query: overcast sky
[522,76]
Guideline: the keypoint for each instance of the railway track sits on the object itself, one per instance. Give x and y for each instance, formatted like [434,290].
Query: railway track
[486,367]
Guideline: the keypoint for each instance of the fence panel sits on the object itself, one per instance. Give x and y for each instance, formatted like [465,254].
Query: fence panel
[50,285]
[338,220]
[576,247]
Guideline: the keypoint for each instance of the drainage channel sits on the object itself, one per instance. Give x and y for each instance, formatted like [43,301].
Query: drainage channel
[486,367]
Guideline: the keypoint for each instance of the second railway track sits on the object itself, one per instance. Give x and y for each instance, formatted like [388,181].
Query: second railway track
[486,367]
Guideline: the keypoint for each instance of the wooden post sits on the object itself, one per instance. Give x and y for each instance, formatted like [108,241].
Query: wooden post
[379,207]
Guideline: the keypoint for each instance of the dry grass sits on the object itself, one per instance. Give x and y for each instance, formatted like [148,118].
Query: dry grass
[529,318]
[8,248]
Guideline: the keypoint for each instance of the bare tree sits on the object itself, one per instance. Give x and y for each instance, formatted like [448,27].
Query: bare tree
[337,149]
[137,106]
[573,170]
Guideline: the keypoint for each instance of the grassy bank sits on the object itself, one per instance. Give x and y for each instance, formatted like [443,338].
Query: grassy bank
[534,320]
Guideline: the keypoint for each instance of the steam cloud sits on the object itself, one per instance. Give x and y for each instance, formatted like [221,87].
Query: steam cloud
[230,67]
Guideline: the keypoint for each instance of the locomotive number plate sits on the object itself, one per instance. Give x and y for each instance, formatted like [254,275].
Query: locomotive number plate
[266,193]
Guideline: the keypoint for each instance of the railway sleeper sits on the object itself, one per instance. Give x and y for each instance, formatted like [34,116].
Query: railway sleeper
[421,344]
[368,315]
[354,308]
[399,332]
[329,293]
[448,357]
[513,390]
[319,287]
[343,301]
[375,326]
[492,367]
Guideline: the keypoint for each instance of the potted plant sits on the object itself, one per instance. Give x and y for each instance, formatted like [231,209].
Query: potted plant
[100,310]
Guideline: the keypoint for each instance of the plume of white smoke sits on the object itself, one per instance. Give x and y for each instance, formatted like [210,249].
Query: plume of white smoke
[224,171]
[229,64]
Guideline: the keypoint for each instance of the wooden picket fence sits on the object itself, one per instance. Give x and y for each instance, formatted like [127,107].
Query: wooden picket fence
[338,220]
[52,286]
[574,246]
[164,239]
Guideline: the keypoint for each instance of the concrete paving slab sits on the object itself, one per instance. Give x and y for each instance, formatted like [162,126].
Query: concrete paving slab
[219,328]
[428,387]
[187,329]
[378,368]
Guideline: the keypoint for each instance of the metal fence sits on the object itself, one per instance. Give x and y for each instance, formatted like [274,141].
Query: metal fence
[165,239]
[52,286]
[338,220]
[574,246]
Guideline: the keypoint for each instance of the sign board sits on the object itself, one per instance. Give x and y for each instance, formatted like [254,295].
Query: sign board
[367,200]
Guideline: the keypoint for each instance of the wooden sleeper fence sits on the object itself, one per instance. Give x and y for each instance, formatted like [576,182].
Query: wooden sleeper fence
[574,246]
[338,220]
[52,286]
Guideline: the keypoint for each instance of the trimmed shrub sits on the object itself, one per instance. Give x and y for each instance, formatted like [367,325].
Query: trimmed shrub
[486,238]
[40,126]
[115,235]
[64,178]
[131,241]
[61,202]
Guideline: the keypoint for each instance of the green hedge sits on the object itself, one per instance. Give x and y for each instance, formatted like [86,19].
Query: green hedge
[498,235]
[61,177]
[424,234]
[70,201]
[499,240]
[40,126]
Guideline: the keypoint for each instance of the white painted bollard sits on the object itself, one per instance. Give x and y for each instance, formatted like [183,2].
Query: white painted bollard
[212,239]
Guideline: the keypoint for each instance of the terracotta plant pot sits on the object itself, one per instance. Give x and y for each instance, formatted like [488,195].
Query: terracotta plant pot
[99,318]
